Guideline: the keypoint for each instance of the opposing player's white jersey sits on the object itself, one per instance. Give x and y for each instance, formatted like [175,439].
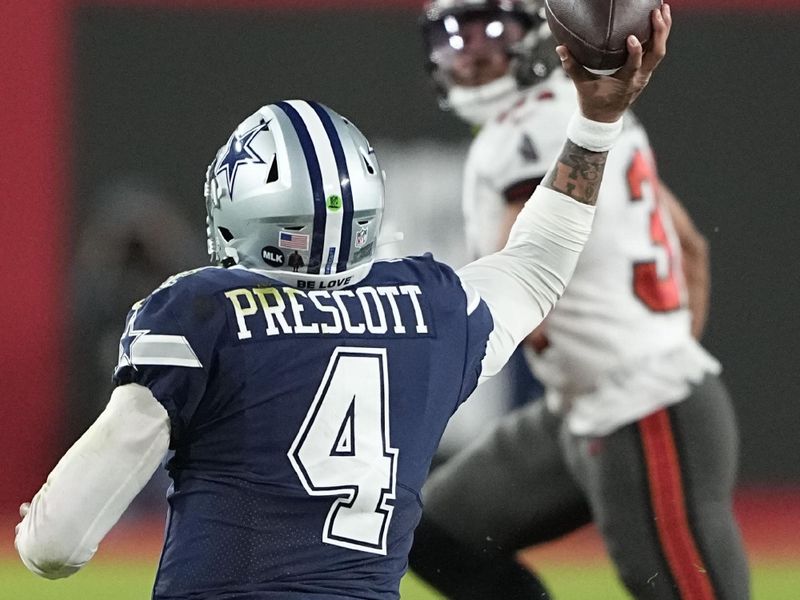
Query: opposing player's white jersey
[620,341]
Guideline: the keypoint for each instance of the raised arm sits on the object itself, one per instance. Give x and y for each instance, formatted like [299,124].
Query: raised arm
[522,282]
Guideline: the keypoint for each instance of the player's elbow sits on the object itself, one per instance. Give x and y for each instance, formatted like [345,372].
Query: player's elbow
[694,244]
[698,246]
[46,557]
[52,568]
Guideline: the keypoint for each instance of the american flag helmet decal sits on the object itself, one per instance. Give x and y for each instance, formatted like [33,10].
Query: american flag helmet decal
[293,241]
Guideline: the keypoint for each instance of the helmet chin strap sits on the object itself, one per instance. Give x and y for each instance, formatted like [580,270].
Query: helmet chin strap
[477,105]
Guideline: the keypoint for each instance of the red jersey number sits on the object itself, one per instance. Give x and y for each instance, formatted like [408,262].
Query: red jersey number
[659,294]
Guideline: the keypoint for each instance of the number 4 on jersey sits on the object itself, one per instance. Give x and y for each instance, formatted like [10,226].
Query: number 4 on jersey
[343,449]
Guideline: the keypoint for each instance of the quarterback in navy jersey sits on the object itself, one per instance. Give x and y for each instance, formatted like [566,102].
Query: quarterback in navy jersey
[304,398]
[291,472]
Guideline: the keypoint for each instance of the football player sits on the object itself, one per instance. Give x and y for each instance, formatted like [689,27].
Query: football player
[304,403]
[636,432]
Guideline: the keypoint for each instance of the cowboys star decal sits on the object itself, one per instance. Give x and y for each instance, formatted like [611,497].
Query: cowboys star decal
[129,336]
[239,152]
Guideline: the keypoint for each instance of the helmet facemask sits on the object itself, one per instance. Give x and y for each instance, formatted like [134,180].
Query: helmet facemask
[482,53]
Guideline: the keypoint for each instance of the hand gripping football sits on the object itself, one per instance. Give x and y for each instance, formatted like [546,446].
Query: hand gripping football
[595,30]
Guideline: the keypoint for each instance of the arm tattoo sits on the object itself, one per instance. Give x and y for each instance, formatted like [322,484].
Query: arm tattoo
[577,173]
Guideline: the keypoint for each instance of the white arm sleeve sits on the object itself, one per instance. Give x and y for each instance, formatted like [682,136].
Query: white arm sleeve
[522,282]
[94,483]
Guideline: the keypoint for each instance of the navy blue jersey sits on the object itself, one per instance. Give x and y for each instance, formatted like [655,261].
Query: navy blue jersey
[303,423]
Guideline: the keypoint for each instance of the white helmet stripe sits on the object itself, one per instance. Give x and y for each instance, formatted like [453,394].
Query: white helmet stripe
[344,180]
[315,176]
[330,184]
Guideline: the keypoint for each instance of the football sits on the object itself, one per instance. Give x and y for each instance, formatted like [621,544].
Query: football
[595,30]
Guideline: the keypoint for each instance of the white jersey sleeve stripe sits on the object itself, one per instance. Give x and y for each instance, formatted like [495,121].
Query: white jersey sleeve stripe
[169,350]
[473,298]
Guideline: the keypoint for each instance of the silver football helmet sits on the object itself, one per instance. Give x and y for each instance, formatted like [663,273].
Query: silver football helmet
[298,192]
[516,28]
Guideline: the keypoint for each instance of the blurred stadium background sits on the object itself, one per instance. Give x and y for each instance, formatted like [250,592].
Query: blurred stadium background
[112,108]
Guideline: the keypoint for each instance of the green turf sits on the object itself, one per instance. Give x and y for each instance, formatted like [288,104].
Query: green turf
[101,581]
[131,581]
[773,582]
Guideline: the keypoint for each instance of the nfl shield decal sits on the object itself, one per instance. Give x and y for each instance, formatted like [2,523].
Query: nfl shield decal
[361,236]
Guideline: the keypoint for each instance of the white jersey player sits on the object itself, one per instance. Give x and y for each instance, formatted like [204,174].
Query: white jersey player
[620,344]
[637,432]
